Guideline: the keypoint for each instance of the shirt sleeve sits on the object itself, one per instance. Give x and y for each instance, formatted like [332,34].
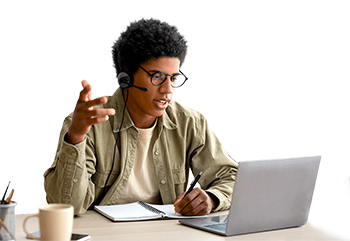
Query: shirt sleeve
[219,170]
[68,180]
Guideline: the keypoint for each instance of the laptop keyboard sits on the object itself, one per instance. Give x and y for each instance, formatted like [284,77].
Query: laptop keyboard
[220,227]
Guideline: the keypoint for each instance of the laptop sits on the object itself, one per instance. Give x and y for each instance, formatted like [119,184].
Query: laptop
[268,195]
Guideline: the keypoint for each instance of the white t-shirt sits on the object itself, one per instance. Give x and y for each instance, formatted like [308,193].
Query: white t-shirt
[142,184]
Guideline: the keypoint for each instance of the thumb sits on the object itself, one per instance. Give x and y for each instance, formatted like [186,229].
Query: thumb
[84,83]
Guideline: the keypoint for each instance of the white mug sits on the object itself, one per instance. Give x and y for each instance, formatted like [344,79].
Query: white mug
[56,222]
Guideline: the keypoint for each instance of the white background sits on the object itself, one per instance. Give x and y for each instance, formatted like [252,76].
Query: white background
[271,77]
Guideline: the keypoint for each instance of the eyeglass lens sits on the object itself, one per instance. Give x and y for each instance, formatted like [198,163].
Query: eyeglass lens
[176,80]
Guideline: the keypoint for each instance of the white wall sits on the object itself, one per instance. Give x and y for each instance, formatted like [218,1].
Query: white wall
[270,76]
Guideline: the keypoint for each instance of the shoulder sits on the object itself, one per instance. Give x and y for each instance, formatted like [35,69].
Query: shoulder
[181,115]
[177,109]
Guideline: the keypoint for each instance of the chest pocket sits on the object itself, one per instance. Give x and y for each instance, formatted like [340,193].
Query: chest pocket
[100,178]
[180,180]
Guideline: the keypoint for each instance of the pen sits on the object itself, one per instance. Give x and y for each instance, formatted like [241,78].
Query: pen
[193,183]
[9,198]
[3,198]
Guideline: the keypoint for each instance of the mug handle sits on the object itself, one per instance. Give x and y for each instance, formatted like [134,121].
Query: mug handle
[24,226]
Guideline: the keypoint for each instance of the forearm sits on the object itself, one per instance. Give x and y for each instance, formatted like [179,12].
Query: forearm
[67,181]
[221,188]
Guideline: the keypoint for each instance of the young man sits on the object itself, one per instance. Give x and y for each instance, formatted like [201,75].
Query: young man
[139,144]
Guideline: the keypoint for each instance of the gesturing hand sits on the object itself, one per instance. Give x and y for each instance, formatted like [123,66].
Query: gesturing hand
[197,202]
[85,115]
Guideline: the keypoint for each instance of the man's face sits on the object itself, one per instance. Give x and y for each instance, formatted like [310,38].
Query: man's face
[145,107]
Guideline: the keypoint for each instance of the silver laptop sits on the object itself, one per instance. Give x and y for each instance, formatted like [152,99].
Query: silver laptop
[268,195]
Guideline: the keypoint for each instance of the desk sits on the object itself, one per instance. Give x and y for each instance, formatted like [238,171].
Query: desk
[101,228]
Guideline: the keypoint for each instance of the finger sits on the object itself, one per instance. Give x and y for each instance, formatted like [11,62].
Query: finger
[96,120]
[198,210]
[85,94]
[85,83]
[83,106]
[197,201]
[83,116]
[101,112]
[178,199]
[97,101]
[179,203]
[189,205]
[184,201]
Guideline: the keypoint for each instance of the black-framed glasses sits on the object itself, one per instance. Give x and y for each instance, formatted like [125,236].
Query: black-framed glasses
[157,78]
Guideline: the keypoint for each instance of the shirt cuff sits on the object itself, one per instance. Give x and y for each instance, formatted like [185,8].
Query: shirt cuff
[74,154]
[224,202]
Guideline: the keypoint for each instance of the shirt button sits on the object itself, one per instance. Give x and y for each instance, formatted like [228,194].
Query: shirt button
[162,181]
[74,154]
[156,153]
[75,180]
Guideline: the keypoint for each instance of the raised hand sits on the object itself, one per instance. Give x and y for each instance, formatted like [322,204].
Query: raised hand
[85,115]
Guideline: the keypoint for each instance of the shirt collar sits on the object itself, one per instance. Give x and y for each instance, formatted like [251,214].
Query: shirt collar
[165,120]
[117,101]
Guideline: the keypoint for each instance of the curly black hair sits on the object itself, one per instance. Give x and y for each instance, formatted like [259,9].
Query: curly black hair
[146,39]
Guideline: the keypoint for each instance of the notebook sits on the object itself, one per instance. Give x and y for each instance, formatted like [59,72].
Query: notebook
[268,195]
[139,211]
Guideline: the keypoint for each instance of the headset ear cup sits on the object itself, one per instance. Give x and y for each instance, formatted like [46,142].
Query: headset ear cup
[125,81]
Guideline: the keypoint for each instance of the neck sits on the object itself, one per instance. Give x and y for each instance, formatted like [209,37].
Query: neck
[140,118]
[143,122]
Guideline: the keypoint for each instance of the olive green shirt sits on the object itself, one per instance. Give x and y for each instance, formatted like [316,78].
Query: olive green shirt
[182,141]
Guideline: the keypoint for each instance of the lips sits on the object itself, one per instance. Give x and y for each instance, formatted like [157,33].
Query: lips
[162,103]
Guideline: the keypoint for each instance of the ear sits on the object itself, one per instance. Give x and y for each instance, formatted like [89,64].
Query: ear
[125,80]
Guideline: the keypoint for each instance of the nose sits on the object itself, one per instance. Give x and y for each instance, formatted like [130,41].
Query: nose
[166,87]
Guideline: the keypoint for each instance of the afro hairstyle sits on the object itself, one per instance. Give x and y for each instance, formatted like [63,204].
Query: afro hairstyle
[144,40]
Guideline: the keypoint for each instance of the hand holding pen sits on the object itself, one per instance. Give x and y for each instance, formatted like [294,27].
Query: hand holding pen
[195,201]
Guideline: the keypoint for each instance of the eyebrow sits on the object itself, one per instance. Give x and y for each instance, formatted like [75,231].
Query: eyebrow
[155,70]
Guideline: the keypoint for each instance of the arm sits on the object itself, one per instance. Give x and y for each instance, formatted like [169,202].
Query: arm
[218,177]
[68,180]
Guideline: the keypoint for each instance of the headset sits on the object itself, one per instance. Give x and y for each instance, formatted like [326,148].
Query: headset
[126,81]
